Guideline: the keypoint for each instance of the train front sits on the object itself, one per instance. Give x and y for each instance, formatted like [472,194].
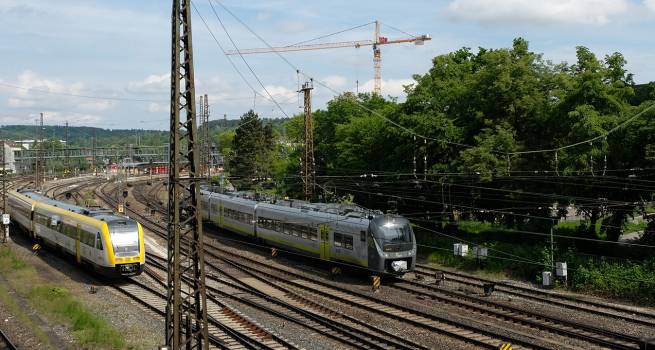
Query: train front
[127,243]
[393,248]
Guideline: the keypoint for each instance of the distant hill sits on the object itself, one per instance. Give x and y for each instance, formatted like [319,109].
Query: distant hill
[82,136]
[234,123]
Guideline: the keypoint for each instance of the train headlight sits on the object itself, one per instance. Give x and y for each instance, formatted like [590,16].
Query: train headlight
[399,265]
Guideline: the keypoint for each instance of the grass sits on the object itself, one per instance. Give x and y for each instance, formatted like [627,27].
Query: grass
[634,226]
[54,302]
[9,261]
[87,327]
[512,255]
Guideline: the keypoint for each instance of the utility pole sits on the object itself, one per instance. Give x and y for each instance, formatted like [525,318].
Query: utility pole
[38,174]
[93,153]
[4,178]
[186,313]
[5,231]
[35,152]
[207,142]
[308,174]
[66,153]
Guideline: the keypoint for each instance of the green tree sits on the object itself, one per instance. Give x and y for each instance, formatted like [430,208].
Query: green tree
[252,144]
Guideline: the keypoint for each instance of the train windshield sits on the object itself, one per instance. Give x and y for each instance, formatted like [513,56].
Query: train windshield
[392,230]
[124,237]
[396,233]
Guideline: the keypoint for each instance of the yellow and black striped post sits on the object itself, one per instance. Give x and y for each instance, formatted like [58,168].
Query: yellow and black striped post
[36,248]
[336,270]
[273,252]
[505,346]
[375,280]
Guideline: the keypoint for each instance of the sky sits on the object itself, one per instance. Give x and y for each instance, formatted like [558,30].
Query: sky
[107,63]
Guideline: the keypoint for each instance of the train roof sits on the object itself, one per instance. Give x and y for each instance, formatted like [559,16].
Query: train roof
[99,213]
[348,210]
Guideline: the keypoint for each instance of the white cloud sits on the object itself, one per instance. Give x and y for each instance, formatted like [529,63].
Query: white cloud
[19,102]
[37,92]
[158,107]
[280,93]
[650,4]
[97,105]
[262,16]
[52,117]
[152,84]
[335,81]
[597,12]
[293,26]
[391,87]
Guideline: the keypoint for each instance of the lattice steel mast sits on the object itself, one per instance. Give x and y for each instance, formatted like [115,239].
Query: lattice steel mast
[67,163]
[186,313]
[207,148]
[308,164]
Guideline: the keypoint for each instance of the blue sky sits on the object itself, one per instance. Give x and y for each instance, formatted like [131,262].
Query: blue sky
[120,49]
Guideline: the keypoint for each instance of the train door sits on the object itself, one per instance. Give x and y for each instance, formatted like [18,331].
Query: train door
[220,212]
[78,255]
[33,223]
[325,241]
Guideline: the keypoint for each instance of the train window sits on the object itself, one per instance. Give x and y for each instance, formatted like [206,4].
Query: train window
[343,240]
[348,242]
[362,236]
[337,239]
[98,242]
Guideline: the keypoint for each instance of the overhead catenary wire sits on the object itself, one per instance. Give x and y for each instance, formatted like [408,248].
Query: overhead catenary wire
[244,59]
[413,132]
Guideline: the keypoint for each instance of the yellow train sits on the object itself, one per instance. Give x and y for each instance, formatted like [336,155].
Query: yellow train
[112,245]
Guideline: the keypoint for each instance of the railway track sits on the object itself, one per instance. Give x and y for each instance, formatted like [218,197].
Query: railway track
[303,311]
[5,342]
[346,330]
[479,306]
[478,335]
[616,312]
[228,328]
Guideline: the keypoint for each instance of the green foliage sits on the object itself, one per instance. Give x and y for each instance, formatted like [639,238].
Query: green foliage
[9,260]
[83,136]
[252,145]
[87,326]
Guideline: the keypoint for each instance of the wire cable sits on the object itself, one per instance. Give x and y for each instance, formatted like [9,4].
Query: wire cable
[245,61]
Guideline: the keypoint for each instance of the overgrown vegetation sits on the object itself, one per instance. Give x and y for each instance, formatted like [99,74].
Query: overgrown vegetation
[456,156]
[88,327]
[56,303]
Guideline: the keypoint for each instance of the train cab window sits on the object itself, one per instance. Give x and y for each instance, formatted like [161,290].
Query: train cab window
[362,236]
[98,242]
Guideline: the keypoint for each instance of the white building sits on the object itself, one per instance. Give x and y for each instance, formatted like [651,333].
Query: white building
[9,164]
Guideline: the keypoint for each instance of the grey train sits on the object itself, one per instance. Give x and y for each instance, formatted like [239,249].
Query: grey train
[382,243]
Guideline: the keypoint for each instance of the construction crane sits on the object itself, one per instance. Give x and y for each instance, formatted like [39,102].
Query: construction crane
[375,43]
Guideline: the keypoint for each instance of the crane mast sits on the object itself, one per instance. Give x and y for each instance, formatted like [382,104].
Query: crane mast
[376,43]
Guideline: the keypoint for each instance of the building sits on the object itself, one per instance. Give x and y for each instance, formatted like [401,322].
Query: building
[9,148]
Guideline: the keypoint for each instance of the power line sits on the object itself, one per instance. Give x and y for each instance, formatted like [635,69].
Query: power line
[108,98]
[245,61]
